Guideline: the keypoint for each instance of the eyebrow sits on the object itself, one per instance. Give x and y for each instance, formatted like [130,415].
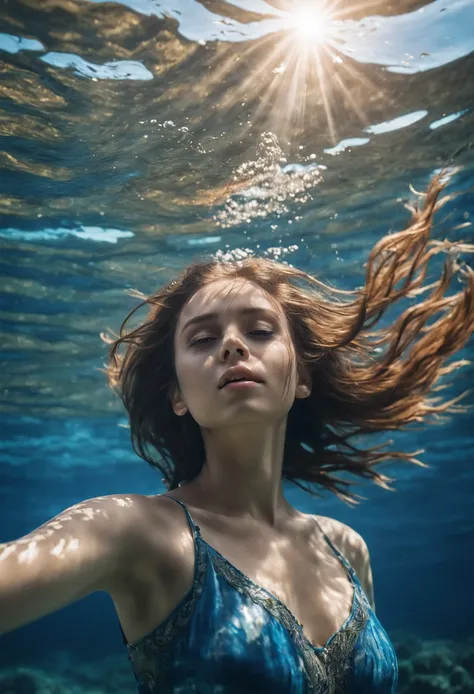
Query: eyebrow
[208,317]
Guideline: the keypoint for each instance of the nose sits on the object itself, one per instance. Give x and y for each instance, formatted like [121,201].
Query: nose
[233,346]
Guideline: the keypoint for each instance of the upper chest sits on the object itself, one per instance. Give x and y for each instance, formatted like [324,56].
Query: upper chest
[297,566]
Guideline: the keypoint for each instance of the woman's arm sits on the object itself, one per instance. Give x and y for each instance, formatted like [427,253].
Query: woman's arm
[355,550]
[78,552]
[363,570]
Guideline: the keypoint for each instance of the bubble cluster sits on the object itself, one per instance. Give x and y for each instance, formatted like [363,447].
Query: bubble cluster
[267,185]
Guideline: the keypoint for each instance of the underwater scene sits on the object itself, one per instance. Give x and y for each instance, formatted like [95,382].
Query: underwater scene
[138,136]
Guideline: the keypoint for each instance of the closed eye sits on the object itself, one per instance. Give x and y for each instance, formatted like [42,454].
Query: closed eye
[265,334]
[201,341]
[262,333]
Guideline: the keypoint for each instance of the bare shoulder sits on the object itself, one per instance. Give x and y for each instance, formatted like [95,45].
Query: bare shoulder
[348,541]
[128,524]
[132,511]
[148,528]
[112,511]
[354,548]
[137,516]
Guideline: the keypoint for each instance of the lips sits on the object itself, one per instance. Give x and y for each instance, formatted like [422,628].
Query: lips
[237,381]
[238,373]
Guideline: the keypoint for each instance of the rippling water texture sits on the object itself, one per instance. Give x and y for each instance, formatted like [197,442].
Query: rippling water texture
[136,136]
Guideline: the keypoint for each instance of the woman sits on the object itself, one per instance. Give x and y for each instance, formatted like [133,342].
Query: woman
[241,377]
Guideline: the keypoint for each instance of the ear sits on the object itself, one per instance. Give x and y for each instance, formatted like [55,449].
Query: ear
[177,402]
[303,385]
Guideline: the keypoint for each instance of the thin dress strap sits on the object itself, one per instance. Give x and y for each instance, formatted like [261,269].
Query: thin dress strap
[194,528]
[338,554]
[195,531]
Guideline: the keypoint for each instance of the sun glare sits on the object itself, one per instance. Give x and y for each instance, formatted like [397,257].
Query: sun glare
[301,68]
[310,23]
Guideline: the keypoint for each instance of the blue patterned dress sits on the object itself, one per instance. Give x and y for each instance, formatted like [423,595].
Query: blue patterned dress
[229,635]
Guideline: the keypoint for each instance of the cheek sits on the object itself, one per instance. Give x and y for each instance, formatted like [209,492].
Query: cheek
[281,364]
[281,357]
[192,374]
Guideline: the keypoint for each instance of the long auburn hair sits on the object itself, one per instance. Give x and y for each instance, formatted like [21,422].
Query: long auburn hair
[364,381]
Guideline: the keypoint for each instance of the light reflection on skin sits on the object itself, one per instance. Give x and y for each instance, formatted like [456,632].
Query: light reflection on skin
[29,554]
[83,511]
[9,549]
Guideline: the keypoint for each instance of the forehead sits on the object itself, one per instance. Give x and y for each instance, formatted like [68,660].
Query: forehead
[228,295]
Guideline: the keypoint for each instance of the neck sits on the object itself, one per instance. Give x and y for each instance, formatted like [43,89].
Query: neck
[242,474]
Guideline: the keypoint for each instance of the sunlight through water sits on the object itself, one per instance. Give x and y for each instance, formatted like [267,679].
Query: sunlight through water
[311,23]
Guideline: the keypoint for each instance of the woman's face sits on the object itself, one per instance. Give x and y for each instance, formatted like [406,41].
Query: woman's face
[234,323]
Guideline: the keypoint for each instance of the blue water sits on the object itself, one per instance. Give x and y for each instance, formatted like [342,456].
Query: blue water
[137,136]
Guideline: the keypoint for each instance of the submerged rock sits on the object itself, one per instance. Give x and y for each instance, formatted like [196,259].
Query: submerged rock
[434,661]
[405,672]
[466,658]
[18,683]
[29,681]
[428,684]
[407,646]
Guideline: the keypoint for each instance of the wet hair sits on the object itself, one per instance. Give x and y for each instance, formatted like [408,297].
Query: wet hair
[364,380]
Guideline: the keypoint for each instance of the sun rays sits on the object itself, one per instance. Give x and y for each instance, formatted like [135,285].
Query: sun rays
[295,70]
